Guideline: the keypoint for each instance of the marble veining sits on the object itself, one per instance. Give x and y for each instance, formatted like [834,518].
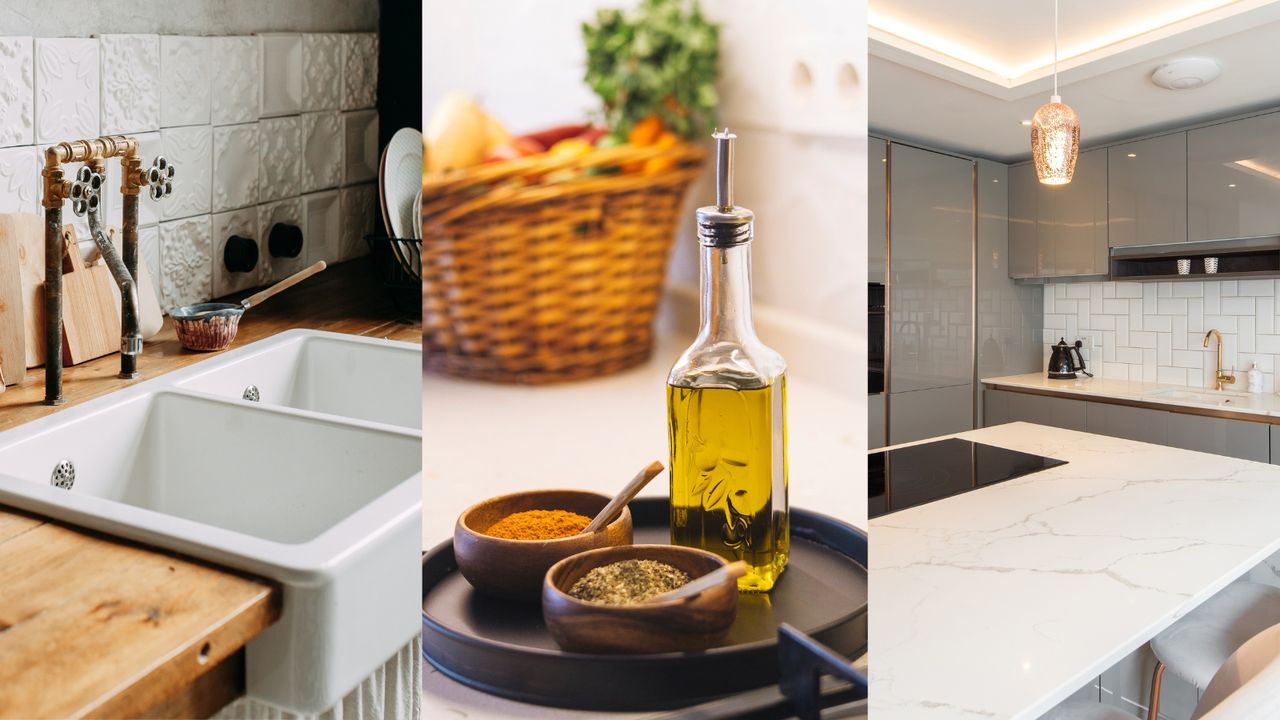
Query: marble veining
[1057,575]
[17,91]
[130,83]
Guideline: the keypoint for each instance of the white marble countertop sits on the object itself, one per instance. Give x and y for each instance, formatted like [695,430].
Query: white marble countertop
[1232,399]
[1000,603]
[481,440]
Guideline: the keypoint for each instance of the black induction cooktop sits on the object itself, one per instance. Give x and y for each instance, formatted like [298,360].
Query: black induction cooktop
[906,477]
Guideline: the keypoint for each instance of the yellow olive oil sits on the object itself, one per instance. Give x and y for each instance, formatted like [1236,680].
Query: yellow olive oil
[729,475]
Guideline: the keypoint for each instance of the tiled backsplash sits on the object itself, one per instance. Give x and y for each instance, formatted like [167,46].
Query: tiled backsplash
[1154,331]
[278,127]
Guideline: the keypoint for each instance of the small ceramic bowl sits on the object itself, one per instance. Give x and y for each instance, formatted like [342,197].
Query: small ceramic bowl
[514,569]
[686,625]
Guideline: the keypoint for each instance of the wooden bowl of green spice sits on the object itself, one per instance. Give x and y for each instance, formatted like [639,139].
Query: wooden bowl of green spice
[601,601]
[504,545]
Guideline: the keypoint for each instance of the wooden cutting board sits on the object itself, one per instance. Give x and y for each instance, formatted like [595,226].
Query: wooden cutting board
[28,229]
[150,316]
[90,321]
[13,331]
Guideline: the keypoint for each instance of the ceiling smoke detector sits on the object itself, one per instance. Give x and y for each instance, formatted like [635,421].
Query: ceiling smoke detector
[1186,73]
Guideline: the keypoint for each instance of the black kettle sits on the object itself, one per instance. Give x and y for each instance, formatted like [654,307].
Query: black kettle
[1062,366]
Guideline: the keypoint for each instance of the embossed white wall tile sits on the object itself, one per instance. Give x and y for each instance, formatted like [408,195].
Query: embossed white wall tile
[149,147]
[190,149]
[20,180]
[322,140]
[287,212]
[359,146]
[359,209]
[186,86]
[279,158]
[235,166]
[67,100]
[149,253]
[236,85]
[130,83]
[323,216]
[243,222]
[281,74]
[321,71]
[186,264]
[359,70]
[17,91]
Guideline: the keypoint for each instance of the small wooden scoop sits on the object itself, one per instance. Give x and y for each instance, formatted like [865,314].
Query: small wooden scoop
[624,496]
[732,571]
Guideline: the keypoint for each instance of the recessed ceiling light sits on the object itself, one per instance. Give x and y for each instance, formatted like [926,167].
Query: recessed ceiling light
[1186,73]
[995,180]
[1232,185]
[1133,154]
[1026,122]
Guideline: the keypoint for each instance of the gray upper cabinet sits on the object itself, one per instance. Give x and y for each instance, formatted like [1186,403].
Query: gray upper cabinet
[877,191]
[1024,248]
[1071,220]
[1232,185]
[1147,191]
[931,268]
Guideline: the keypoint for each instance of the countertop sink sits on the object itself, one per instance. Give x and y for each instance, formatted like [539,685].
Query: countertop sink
[308,488]
[1204,397]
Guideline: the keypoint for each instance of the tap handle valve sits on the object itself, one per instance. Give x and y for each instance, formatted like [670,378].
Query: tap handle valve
[160,178]
[86,191]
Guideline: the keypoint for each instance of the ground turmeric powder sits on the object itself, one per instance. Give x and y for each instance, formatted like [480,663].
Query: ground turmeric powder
[538,525]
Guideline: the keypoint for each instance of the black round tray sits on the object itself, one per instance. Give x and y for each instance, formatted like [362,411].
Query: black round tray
[503,648]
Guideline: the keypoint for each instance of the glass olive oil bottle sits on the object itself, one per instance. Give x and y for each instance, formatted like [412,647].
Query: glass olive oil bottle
[726,407]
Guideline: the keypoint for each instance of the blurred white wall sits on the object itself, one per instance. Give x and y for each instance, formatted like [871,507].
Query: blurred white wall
[793,86]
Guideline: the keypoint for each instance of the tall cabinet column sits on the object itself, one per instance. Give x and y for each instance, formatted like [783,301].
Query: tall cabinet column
[931,286]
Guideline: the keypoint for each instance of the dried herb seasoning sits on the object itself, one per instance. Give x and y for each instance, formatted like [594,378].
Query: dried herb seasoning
[628,582]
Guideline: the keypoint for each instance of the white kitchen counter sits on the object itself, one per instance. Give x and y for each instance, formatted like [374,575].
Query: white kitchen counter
[1175,396]
[999,603]
[481,440]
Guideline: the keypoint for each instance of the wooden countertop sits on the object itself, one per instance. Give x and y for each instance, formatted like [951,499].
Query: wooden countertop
[94,626]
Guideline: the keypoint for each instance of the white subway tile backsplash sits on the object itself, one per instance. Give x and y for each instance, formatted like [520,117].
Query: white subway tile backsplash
[236,86]
[1154,332]
[186,86]
[67,101]
[20,179]
[130,83]
[17,88]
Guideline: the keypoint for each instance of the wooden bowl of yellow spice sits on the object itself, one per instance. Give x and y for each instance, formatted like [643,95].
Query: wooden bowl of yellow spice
[504,545]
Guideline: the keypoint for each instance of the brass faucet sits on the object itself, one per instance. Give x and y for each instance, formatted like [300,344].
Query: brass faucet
[1220,378]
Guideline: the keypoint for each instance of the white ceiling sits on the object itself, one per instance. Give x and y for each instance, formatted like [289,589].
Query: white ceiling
[966,83]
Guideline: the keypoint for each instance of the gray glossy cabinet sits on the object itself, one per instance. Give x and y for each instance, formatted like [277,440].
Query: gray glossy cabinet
[1232,185]
[931,269]
[929,413]
[1147,191]
[875,421]
[1220,436]
[877,194]
[1024,248]
[1071,220]
[1002,406]
[1130,423]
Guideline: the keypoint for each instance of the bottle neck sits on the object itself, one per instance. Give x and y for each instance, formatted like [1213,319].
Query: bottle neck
[726,294]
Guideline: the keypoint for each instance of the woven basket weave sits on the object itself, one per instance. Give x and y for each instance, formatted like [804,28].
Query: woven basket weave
[537,282]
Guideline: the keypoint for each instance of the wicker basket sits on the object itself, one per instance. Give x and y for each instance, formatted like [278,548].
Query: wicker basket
[538,282]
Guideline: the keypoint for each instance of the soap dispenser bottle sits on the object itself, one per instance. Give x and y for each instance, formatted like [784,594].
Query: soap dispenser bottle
[726,406]
[1254,377]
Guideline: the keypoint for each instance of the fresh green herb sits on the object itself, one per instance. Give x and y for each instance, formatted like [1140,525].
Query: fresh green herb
[660,58]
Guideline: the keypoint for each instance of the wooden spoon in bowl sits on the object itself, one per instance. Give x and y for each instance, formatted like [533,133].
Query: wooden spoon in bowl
[624,496]
[732,571]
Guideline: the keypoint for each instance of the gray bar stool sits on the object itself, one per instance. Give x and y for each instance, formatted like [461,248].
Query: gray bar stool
[1246,687]
[1197,645]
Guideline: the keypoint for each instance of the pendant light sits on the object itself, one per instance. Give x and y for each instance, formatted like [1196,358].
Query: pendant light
[1055,130]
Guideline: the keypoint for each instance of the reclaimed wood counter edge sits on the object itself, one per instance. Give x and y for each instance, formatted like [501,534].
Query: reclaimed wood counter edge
[92,625]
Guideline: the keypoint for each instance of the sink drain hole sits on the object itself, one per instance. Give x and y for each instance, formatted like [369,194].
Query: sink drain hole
[251,393]
[64,475]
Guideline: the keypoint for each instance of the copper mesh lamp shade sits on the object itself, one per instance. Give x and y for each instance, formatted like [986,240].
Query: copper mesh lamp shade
[1055,142]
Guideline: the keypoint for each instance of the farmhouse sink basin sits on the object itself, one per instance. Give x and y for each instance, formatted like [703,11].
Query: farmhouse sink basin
[328,506]
[355,377]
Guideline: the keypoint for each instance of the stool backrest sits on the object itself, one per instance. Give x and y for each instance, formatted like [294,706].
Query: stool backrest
[1247,686]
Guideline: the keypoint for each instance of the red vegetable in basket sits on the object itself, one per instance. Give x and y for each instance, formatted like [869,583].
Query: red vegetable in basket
[550,136]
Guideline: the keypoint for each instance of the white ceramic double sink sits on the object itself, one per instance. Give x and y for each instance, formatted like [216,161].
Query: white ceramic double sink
[316,485]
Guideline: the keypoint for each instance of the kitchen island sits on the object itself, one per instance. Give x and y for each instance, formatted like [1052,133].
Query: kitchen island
[95,626]
[1052,577]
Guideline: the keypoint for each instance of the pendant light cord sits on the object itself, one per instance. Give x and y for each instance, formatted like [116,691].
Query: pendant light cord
[1055,47]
